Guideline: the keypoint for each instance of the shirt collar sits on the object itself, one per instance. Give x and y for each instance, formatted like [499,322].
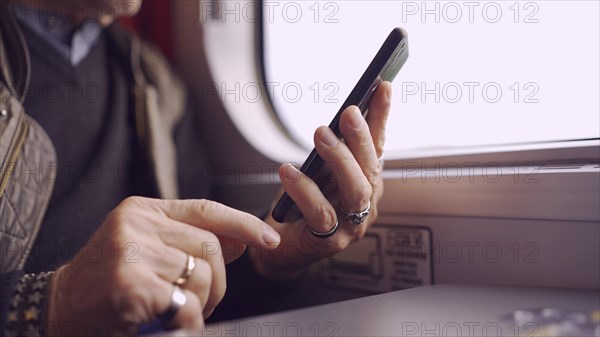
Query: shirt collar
[73,43]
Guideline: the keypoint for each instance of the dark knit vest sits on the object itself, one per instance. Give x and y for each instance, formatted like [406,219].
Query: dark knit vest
[86,111]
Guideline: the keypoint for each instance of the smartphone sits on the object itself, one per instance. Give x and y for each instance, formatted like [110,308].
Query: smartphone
[385,65]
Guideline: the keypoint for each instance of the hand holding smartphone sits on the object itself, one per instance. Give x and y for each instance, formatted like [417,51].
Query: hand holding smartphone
[384,67]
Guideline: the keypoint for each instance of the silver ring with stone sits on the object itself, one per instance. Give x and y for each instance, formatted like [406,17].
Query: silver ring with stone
[356,218]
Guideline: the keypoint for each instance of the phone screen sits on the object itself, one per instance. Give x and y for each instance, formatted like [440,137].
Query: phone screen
[384,67]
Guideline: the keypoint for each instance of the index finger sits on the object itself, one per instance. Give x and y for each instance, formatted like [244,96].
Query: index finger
[379,109]
[219,219]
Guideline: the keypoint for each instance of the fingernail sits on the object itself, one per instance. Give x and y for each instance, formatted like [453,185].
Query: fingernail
[292,173]
[356,118]
[328,138]
[270,237]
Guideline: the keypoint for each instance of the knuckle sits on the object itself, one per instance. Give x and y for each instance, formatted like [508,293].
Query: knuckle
[326,214]
[117,223]
[206,207]
[374,173]
[133,201]
[119,220]
[347,161]
[120,227]
[365,141]
[361,196]
[211,247]
[117,216]
[213,239]
[366,192]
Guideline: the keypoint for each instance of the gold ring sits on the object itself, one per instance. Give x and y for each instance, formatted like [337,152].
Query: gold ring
[187,272]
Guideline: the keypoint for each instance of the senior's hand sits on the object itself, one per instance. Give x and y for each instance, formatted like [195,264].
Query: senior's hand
[356,173]
[125,276]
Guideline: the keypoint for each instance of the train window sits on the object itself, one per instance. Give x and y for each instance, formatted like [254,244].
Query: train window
[479,73]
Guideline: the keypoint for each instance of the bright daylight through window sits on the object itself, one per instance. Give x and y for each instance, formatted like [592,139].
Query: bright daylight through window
[479,72]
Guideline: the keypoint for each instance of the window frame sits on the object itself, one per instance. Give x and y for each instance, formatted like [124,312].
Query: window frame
[543,152]
[276,142]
